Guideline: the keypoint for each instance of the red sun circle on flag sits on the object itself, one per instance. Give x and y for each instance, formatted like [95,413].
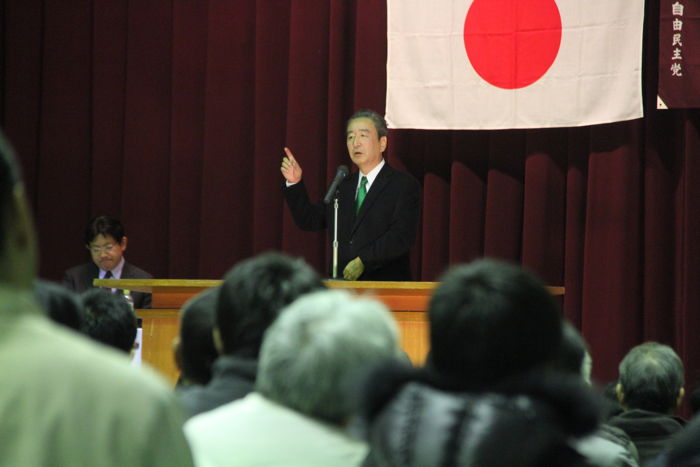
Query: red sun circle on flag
[512,43]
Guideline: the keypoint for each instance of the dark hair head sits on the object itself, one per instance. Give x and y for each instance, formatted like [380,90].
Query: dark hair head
[197,349]
[253,293]
[109,319]
[62,305]
[490,320]
[10,175]
[651,376]
[572,351]
[377,120]
[105,226]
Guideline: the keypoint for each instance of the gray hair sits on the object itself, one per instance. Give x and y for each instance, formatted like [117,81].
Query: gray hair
[377,120]
[651,376]
[316,344]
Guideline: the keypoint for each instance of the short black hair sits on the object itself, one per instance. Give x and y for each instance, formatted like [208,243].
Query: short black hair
[490,320]
[253,293]
[62,305]
[109,319]
[10,175]
[105,226]
[651,376]
[377,120]
[197,349]
[572,351]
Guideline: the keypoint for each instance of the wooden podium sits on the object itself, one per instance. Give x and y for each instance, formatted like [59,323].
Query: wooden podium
[408,302]
[161,324]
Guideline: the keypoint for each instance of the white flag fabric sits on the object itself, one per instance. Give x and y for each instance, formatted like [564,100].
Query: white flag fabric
[497,64]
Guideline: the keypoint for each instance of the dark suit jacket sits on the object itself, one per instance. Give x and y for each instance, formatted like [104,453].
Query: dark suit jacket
[232,379]
[79,279]
[381,234]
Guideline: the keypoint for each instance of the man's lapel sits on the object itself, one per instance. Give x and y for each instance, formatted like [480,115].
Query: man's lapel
[374,193]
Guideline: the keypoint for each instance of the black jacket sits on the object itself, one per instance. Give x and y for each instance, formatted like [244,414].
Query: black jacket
[651,432]
[381,234]
[233,378]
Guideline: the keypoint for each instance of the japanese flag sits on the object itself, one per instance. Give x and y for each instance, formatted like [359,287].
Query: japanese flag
[493,64]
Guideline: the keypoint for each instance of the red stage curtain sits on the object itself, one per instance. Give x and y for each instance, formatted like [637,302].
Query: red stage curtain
[172,116]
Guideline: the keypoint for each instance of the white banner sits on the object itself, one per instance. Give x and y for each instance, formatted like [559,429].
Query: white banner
[496,64]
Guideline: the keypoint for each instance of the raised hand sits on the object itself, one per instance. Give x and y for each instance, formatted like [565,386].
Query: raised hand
[291,170]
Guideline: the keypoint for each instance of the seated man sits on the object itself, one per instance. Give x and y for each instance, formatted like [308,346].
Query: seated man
[106,242]
[109,319]
[298,414]
[488,394]
[251,296]
[66,401]
[650,389]
[608,446]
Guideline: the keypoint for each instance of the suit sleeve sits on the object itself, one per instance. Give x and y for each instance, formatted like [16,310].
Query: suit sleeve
[400,235]
[306,215]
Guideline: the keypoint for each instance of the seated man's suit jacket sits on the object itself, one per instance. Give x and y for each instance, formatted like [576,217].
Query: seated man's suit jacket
[79,279]
[381,233]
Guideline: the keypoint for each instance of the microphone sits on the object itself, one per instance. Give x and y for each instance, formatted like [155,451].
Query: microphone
[340,174]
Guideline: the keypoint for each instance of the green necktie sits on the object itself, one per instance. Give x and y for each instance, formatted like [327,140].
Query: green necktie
[361,193]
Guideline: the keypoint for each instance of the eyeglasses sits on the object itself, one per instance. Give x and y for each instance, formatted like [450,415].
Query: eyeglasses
[100,249]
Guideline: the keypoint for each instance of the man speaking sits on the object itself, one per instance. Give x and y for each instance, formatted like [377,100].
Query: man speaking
[378,206]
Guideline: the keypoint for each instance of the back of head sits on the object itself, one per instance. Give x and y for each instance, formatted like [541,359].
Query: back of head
[106,226]
[651,378]
[197,349]
[9,177]
[18,248]
[109,319]
[317,345]
[491,320]
[253,293]
[62,305]
[573,353]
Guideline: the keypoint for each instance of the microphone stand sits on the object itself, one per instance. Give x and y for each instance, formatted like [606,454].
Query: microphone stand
[335,236]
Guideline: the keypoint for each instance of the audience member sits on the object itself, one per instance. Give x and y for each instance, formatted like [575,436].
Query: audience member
[195,351]
[106,242]
[650,388]
[298,413]
[109,319]
[251,296]
[63,306]
[608,446]
[694,402]
[66,401]
[489,394]
[684,449]
[506,322]
[612,407]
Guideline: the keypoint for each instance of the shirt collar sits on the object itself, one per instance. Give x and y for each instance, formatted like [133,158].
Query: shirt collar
[116,271]
[372,175]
